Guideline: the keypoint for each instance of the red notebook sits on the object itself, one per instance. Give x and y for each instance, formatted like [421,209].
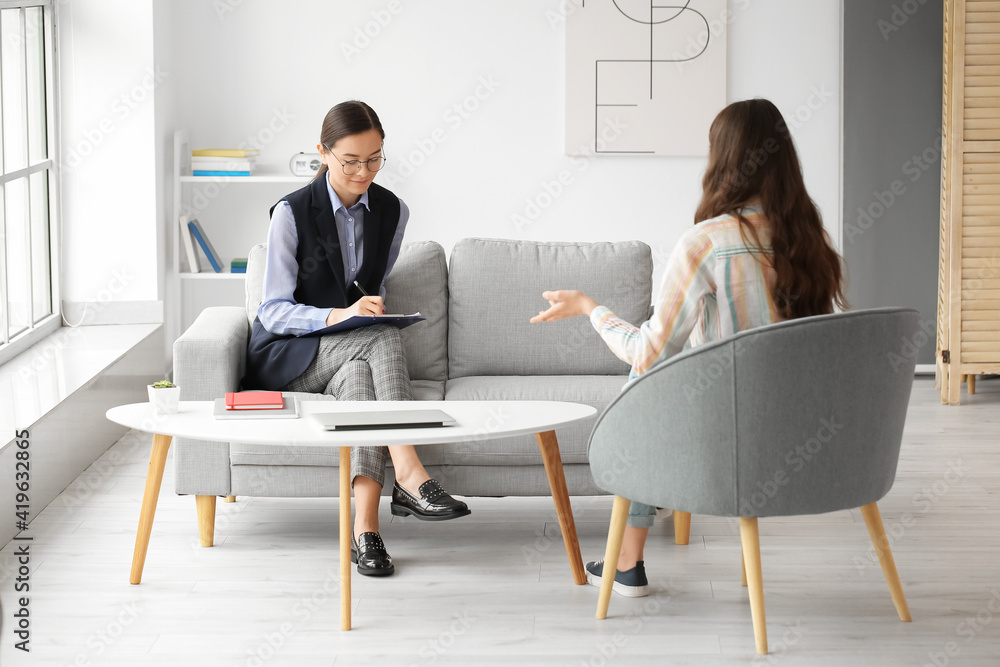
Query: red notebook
[254,400]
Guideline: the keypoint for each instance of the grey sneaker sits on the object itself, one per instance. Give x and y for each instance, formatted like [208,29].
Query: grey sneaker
[631,583]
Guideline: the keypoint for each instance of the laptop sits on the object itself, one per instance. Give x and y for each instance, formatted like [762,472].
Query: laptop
[380,419]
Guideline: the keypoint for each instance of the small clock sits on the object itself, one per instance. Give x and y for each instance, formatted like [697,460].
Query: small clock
[305,164]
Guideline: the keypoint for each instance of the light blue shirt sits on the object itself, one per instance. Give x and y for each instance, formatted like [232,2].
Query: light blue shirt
[278,311]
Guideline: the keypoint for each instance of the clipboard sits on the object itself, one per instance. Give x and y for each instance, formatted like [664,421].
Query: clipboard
[356,322]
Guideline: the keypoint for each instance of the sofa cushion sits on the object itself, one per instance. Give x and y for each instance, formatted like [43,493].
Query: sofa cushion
[594,390]
[496,286]
[419,282]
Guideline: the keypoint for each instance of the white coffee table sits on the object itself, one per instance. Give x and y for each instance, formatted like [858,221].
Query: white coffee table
[477,420]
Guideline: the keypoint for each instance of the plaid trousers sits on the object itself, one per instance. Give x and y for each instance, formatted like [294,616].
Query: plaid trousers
[365,364]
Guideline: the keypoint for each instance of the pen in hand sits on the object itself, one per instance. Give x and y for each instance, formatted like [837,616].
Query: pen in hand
[363,292]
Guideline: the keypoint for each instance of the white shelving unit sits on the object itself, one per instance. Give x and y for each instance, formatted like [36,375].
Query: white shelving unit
[182,177]
[225,282]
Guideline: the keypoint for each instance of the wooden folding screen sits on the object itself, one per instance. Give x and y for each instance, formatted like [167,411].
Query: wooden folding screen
[968,328]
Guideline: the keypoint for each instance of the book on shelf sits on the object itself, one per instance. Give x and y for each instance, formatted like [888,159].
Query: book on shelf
[238,265]
[214,172]
[226,152]
[202,238]
[254,400]
[187,240]
[223,164]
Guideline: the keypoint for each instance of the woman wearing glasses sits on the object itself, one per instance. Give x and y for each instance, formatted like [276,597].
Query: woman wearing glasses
[330,245]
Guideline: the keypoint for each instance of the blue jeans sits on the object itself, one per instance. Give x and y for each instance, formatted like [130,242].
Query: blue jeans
[641,515]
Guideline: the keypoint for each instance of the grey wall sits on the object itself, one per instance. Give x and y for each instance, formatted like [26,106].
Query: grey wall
[892,165]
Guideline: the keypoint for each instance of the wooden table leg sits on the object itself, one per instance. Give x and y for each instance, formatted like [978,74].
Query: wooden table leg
[154,476]
[549,447]
[345,538]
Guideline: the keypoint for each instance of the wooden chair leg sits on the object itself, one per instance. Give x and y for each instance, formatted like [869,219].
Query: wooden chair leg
[743,567]
[972,384]
[682,527]
[206,520]
[230,499]
[755,581]
[877,533]
[616,533]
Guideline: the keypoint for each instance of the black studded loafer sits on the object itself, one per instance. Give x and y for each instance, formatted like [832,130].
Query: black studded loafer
[371,556]
[434,503]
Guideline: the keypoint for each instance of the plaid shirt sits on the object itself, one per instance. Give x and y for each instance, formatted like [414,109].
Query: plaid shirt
[713,286]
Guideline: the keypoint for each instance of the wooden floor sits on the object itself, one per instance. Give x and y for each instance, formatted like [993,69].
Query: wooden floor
[495,588]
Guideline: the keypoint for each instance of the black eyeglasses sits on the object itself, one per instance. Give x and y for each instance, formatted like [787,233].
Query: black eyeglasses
[352,167]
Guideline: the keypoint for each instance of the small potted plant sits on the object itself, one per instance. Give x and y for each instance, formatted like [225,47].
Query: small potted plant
[164,396]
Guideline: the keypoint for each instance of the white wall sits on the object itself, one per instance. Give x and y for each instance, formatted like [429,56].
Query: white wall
[107,81]
[243,66]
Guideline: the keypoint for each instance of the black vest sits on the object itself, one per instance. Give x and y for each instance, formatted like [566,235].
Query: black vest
[275,360]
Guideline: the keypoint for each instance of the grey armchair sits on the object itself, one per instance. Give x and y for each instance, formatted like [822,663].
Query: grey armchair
[800,417]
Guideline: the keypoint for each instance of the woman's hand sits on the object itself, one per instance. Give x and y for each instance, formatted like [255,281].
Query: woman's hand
[366,306]
[563,304]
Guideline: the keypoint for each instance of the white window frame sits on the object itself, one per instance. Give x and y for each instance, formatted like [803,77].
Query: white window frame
[10,347]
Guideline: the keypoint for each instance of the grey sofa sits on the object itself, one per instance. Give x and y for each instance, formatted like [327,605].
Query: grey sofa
[476,344]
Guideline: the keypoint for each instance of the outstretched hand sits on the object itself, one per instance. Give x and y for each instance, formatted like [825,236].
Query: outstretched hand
[563,304]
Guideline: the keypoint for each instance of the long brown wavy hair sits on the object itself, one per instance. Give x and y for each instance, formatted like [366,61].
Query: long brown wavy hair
[752,159]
